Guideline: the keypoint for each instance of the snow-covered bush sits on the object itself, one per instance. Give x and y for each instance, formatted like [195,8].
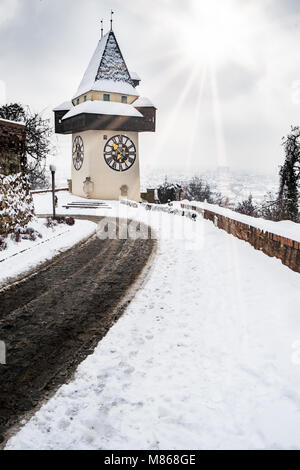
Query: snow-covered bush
[25,233]
[168,192]
[129,203]
[16,204]
[58,220]
[168,209]
[247,207]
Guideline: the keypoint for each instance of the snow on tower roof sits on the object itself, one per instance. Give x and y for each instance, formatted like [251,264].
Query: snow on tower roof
[107,70]
[135,76]
[103,107]
[143,102]
[65,106]
[114,87]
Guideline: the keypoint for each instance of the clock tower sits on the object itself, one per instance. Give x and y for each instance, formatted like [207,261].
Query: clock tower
[104,118]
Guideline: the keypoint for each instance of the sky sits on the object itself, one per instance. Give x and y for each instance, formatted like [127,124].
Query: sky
[223,74]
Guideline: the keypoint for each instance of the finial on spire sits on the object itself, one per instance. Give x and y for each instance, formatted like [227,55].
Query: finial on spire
[111,20]
[102,28]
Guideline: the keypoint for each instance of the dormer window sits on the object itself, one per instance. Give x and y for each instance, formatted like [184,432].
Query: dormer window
[106,97]
[77,102]
[84,98]
[124,99]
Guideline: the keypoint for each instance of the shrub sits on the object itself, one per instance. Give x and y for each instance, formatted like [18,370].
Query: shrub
[70,221]
[59,220]
[247,207]
[25,233]
[168,192]
[3,244]
[269,208]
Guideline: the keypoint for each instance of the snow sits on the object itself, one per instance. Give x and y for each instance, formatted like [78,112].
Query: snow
[115,87]
[143,102]
[13,122]
[206,356]
[134,76]
[43,204]
[103,107]
[113,66]
[65,106]
[16,206]
[95,81]
[91,72]
[284,228]
[20,257]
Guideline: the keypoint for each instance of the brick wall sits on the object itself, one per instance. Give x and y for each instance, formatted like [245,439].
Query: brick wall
[285,249]
[16,205]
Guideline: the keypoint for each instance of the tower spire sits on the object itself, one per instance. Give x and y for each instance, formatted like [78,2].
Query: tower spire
[111,20]
[102,28]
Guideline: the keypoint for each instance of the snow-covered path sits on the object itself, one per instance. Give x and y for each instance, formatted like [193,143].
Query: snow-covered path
[204,357]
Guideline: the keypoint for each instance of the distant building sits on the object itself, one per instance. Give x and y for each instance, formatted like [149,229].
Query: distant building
[12,147]
[151,196]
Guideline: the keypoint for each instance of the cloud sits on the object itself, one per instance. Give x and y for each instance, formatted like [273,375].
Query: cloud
[237,79]
[2,92]
[46,46]
[8,9]
[288,7]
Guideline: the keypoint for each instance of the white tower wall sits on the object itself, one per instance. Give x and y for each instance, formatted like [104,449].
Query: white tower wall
[107,182]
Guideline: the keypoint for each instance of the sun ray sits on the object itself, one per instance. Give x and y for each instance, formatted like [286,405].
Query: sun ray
[162,80]
[170,121]
[161,56]
[218,119]
[191,154]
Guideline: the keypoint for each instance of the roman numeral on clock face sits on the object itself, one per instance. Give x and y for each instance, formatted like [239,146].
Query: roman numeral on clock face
[78,153]
[120,153]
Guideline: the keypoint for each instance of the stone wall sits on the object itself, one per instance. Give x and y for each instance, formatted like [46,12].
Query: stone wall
[285,249]
[12,147]
[16,204]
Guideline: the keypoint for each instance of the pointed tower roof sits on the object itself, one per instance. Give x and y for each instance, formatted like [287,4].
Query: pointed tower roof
[107,70]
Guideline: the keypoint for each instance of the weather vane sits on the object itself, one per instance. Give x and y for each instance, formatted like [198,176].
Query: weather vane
[111,20]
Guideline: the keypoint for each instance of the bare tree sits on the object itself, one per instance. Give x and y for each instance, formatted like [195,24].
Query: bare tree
[38,144]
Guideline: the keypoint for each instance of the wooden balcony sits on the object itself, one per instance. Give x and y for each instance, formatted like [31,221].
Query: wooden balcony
[85,122]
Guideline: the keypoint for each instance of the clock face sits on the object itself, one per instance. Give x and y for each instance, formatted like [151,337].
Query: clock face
[78,153]
[120,153]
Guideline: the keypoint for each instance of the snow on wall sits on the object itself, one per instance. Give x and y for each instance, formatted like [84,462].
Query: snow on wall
[279,246]
[16,204]
[282,247]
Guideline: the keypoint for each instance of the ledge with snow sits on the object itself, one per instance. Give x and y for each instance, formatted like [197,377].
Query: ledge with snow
[276,239]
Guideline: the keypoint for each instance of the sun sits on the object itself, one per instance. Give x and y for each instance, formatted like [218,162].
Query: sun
[214,31]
